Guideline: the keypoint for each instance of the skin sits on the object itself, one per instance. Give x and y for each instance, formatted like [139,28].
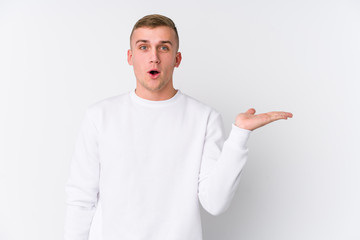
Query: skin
[156,48]
[250,121]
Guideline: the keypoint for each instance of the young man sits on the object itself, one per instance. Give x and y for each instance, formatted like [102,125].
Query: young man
[151,156]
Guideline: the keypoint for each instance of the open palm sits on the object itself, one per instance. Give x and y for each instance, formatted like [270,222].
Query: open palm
[250,121]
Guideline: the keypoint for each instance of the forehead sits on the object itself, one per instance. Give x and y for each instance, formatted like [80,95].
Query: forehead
[157,34]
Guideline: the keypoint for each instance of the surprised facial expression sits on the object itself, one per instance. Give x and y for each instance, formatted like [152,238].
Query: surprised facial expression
[154,56]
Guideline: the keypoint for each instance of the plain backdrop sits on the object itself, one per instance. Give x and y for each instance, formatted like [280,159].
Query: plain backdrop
[302,179]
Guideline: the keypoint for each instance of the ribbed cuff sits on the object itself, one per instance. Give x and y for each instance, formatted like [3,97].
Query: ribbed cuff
[238,136]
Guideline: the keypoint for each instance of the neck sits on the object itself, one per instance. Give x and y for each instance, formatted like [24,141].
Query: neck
[153,95]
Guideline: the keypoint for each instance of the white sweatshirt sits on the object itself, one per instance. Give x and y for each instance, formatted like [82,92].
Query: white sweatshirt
[150,163]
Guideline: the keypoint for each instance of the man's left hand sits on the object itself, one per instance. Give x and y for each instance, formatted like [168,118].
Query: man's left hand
[250,121]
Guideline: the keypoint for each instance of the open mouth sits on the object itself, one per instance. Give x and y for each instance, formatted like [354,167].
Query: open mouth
[154,73]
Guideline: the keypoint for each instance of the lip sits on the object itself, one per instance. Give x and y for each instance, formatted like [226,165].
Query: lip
[154,76]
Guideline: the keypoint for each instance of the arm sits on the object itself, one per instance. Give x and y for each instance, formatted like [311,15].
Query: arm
[222,161]
[82,185]
[221,165]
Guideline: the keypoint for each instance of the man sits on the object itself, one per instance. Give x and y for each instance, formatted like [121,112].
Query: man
[151,156]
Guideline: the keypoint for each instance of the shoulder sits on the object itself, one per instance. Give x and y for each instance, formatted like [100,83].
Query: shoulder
[108,102]
[98,109]
[199,105]
[116,99]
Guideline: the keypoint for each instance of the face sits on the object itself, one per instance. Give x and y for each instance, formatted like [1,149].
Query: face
[154,56]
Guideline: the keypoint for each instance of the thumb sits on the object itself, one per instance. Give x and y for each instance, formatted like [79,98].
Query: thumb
[251,111]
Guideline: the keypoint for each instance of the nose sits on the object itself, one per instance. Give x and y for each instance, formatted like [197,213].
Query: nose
[154,57]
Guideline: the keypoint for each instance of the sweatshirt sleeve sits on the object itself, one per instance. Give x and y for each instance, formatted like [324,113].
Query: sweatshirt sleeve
[82,185]
[221,164]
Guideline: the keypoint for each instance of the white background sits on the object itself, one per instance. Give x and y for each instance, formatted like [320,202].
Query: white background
[302,180]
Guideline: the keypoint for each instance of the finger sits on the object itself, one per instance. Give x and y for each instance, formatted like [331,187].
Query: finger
[251,111]
[279,115]
[286,114]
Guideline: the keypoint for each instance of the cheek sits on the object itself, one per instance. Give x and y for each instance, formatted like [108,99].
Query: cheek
[138,58]
[171,61]
[137,69]
[137,63]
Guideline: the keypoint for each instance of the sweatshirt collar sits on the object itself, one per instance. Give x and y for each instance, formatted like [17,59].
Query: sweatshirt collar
[135,98]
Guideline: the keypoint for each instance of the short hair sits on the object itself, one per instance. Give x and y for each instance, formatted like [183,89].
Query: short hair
[156,20]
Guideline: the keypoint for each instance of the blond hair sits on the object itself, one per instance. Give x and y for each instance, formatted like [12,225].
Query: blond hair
[153,21]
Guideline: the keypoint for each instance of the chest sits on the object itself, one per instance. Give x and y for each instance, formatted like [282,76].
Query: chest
[154,138]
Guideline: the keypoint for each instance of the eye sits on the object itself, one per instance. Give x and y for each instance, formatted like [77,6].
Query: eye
[142,47]
[164,48]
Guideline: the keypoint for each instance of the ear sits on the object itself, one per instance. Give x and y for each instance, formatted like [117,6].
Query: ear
[178,59]
[129,57]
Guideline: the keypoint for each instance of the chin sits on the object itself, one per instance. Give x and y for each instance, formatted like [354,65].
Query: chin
[156,87]
[153,85]
[153,88]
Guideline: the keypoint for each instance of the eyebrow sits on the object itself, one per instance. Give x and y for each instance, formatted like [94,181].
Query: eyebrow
[146,41]
[166,42]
